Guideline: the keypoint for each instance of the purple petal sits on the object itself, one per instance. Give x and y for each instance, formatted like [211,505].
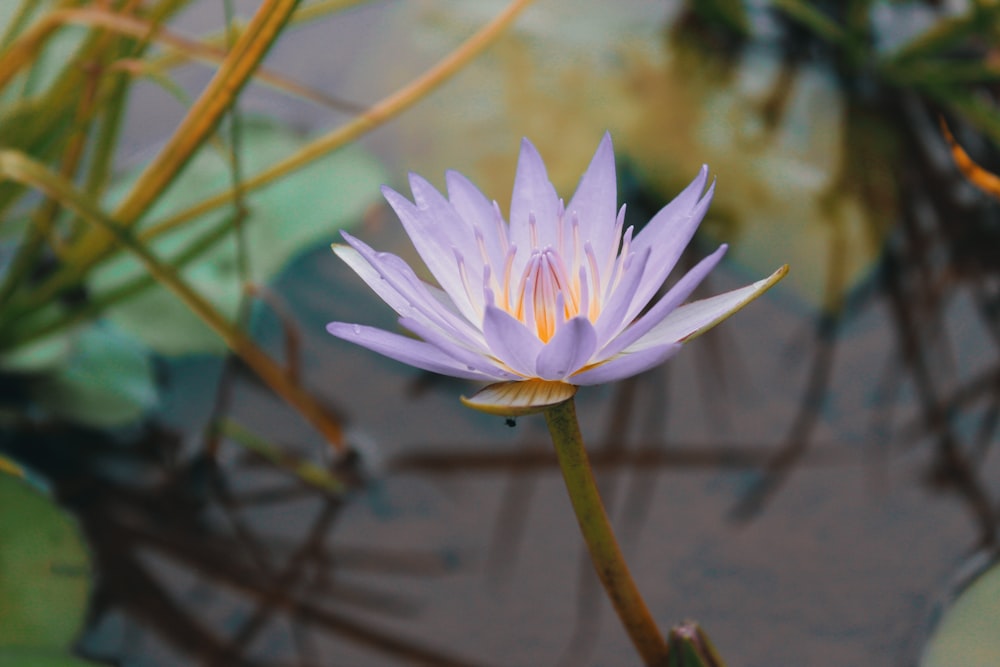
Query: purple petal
[668,233]
[613,315]
[670,301]
[373,279]
[432,230]
[569,349]
[595,202]
[472,205]
[406,350]
[679,207]
[473,360]
[401,278]
[451,229]
[695,318]
[626,365]
[468,200]
[533,195]
[511,341]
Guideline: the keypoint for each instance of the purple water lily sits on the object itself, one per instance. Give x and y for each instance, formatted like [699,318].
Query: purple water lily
[555,299]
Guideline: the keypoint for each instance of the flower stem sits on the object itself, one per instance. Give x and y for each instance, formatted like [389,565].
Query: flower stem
[597,532]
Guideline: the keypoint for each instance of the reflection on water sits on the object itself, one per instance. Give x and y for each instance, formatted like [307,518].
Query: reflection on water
[802,481]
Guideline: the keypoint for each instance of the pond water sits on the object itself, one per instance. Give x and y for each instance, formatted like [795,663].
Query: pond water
[807,481]
[460,547]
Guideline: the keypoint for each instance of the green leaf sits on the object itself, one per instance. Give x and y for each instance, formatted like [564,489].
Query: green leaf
[15,121]
[59,51]
[37,356]
[730,13]
[11,467]
[306,208]
[38,658]
[942,35]
[108,380]
[969,632]
[44,572]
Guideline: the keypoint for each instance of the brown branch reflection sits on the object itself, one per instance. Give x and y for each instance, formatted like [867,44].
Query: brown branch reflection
[135,527]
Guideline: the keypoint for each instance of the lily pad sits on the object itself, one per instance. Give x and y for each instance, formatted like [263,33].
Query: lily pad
[38,356]
[107,380]
[969,632]
[44,573]
[283,219]
[36,658]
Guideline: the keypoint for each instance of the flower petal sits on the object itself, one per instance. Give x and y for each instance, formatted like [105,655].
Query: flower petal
[696,318]
[595,202]
[668,233]
[613,315]
[435,230]
[670,301]
[473,360]
[472,205]
[452,230]
[513,399]
[626,365]
[679,207]
[534,196]
[570,348]
[421,303]
[406,350]
[511,341]
[372,278]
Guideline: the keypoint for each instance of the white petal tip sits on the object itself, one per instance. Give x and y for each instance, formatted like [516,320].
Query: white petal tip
[757,289]
[772,280]
[523,397]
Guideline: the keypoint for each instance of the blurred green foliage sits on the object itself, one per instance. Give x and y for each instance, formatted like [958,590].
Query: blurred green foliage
[968,634]
[39,658]
[44,571]
[281,219]
[222,205]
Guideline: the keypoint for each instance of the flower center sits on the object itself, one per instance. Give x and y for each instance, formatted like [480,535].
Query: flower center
[546,296]
[561,280]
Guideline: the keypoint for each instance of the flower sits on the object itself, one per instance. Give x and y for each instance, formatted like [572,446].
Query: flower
[559,297]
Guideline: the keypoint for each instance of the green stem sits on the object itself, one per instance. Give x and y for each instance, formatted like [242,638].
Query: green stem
[600,538]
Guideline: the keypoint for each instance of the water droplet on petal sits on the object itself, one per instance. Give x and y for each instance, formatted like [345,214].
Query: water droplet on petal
[357,329]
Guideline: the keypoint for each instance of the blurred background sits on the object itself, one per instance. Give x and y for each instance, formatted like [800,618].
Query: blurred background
[192,472]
